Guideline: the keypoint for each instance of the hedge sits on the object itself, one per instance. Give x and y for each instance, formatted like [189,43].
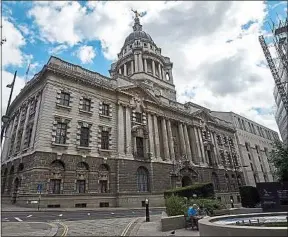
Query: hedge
[202,190]
[249,196]
[176,205]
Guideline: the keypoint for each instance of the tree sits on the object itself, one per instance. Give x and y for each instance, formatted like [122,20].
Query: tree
[279,157]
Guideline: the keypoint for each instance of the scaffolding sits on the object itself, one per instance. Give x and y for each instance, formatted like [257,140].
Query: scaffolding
[280,43]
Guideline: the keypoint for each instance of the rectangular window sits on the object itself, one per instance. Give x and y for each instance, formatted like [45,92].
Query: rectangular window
[86,106]
[61,133]
[55,186]
[81,186]
[29,135]
[103,186]
[65,98]
[105,140]
[105,109]
[139,145]
[138,117]
[32,107]
[84,137]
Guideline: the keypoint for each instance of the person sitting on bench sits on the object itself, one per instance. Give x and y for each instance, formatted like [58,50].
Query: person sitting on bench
[192,214]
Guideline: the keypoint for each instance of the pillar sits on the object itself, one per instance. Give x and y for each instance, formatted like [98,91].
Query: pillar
[170,75]
[194,145]
[151,135]
[165,140]
[163,74]
[216,147]
[25,126]
[170,139]
[17,130]
[182,139]
[136,62]
[132,67]
[120,71]
[145,65]
[36,118]
[201,145]
[125,69]
[187,143]
[153,67]
[120,130]
[140,62]
[128,131]
[157,140]
[160,71]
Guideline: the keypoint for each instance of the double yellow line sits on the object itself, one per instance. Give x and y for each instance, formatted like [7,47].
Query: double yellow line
[65,227]
[125,231]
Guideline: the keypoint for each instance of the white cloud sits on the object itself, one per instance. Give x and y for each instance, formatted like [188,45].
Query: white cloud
[86,54]
[58,49]
[223,76]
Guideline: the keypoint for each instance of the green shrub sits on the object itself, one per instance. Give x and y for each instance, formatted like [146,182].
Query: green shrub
[175,205]
[202,190]
[249,196]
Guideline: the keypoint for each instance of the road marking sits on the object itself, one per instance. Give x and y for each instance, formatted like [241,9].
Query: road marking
[29,216]
[112,213]
[65,227]
[60,214]
[128,227]
[88,214]
[18,219]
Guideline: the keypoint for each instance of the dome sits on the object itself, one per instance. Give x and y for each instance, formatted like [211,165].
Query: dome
[138,35]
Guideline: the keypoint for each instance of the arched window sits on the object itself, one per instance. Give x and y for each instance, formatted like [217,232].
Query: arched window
[142,180]
[215,181]
[57,172]
[20,167]
[227,181]
[82,177]
[104,178]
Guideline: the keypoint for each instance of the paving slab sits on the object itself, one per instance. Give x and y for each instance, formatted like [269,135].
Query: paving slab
[28,229]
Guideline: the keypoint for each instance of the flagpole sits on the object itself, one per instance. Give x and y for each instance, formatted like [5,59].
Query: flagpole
[6,118]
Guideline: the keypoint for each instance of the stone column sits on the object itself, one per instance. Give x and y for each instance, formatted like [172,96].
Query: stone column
[163,74]
[140,63]
[125,69]
[151,135]
[128,131]
[136,62]
[145,65]
[187,143]
[120,130]
[170,75]
[157,140]
[160,71]
[132,67]
[194,145]
[25,126]
[153,68]
[165,140]
[36,118]
[120,70]
[216,148]
[182,139]
[17,130]
[201,146]
[171,142]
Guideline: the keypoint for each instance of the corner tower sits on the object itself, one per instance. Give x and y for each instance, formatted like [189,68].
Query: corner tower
[140,59]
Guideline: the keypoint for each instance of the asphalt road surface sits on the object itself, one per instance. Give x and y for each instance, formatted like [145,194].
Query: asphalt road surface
[48,216]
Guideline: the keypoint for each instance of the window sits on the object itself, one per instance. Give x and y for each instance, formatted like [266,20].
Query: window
[81,186]
[215,181]
[86,106]
[105,109]
[219,139]
[139,145]
[32,107]
[249,156]
[105,140]
[138,117]
[61,133]
[84,137]
[257,149]
[55,185]
[142,180]
[209,157]
[262,168]
[255,178]
[29,135]
[103,186]
[247,146]
[251,165]
[65,98]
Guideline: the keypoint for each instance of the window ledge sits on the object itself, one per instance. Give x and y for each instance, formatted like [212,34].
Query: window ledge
[84,148]
[60,145]
[85,112]
[63,106]
[104,150]
[105,116]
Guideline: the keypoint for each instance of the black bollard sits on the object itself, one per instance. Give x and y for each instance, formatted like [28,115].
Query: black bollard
[147,210]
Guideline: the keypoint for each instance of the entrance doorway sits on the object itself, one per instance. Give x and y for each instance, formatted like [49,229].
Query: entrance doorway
[15,190]
[186,181]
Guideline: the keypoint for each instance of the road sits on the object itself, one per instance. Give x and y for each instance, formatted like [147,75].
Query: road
[49,216]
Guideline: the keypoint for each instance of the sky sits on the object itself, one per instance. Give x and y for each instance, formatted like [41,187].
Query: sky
[217,59]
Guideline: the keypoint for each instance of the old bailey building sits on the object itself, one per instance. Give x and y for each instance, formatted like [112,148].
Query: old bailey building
[84,139]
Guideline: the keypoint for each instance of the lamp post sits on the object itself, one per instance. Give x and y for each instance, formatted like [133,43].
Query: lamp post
[147,210]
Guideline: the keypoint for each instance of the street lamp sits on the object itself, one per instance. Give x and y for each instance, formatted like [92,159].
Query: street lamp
[147,210]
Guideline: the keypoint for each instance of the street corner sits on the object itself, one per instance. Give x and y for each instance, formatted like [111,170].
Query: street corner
[29,229]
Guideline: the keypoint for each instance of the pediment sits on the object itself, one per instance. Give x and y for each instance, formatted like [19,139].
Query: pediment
[204,116]
[139,92]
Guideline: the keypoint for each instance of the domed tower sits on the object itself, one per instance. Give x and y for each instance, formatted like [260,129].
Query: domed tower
[140,59]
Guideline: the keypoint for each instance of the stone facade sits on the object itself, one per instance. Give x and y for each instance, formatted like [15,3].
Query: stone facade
[90,140]
[255,143]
